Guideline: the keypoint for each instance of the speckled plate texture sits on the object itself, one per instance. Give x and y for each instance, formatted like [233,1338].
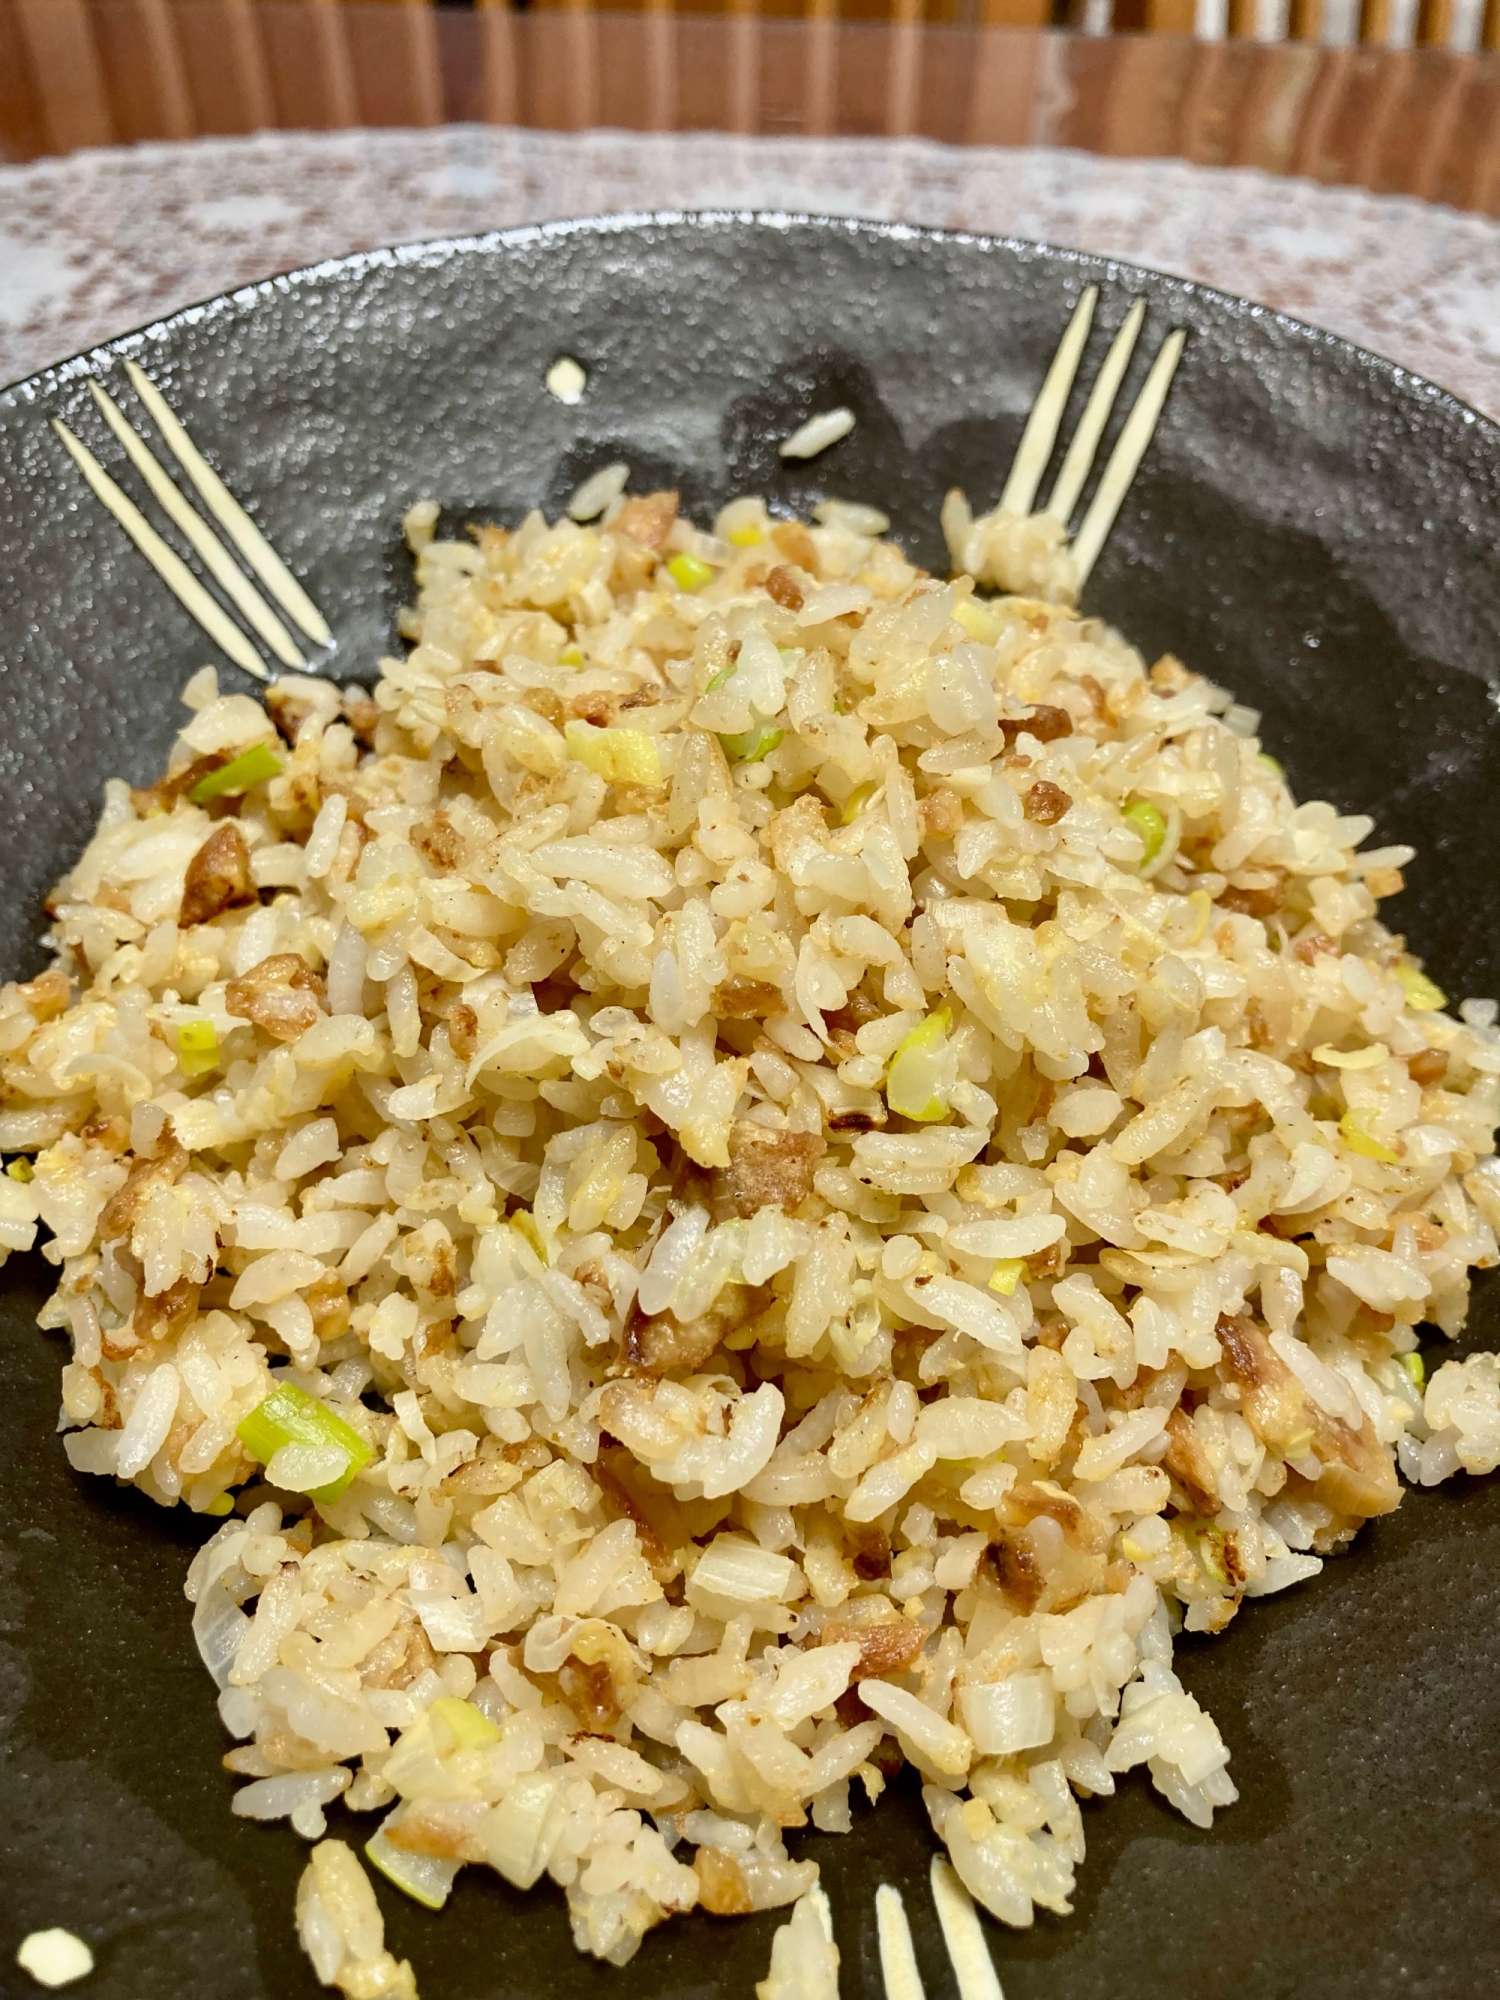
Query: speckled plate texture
[1311,526]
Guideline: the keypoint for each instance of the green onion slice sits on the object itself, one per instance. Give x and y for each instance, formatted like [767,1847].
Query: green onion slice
[197,1047]
[690,572]
[252,767]
[290,1416]
[1150,825]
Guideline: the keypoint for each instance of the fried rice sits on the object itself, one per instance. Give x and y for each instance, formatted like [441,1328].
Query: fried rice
[760,1166]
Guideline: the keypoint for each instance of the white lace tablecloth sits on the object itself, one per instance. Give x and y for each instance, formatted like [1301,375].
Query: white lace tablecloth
[98,242]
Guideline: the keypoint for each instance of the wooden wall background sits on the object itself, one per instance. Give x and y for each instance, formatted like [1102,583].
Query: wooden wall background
[1389,97]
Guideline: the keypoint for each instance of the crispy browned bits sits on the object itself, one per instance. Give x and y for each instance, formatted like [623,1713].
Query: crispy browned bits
[1044,722]
[1263,900]
[48,994]
[647,519]
[887,1648]
[941,813]
[122,1208]
[1428,1067]
[782,585]
[1046,803]
[741,999]
[769,1169]
[218,876]
[722,1888]
[282,994]
[797,545]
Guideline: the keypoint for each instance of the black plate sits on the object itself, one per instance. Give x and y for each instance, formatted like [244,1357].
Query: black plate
[1312,526]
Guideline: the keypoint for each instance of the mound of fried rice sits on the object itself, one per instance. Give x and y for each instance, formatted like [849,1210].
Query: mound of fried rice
[847,1152]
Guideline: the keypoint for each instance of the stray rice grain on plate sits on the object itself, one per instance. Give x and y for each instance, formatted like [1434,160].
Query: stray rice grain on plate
[758,1157]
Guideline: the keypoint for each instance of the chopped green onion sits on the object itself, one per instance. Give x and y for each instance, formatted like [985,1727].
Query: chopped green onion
[1211,1554]
[459,1725]
[747,538]
[425,1878]
[690,572]
[20,1170]
[571,655]
[923,1071]
[1272,764]
[856,802]
[747,746]
[524,1223]
[1007,1274]
[1415,1367]
[977,620]
[290,1416]
[197,1047]
[252,767]
[221,1504]
[750,745]
[1359,1140]
[620,756]
[1150,825]
[1422,996]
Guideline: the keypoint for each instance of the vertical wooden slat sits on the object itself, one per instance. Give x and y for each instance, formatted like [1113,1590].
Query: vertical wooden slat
[1140,104]
[1004,92]
[660,57]
[1383,127]
[426,63]
[1205,121]
[1489,34]
[64,63]
[1375,22]
[396,63]
[143,69]
[1485,184]
[331,36]
[1458,176]
[499,61]
[904,80]
[224,64]
[1305,20]
[159,34]
[743,55]
[1435,23]
[1280,91]
[308,61]
[1437,143]
[245,56]
[1320,117]
[822,67]
[583,65]
[23,133]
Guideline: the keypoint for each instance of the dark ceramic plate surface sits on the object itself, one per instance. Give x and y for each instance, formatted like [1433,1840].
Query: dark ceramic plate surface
[1311,526]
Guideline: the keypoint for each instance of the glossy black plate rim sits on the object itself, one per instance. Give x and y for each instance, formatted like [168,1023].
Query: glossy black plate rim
[424,249]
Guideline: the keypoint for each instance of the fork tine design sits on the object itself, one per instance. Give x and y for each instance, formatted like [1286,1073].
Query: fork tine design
[249,540]
[165,560]
[1041,429]
[968,1954]
[1130,449]
[255,551]
[1045,421]
[247,599]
